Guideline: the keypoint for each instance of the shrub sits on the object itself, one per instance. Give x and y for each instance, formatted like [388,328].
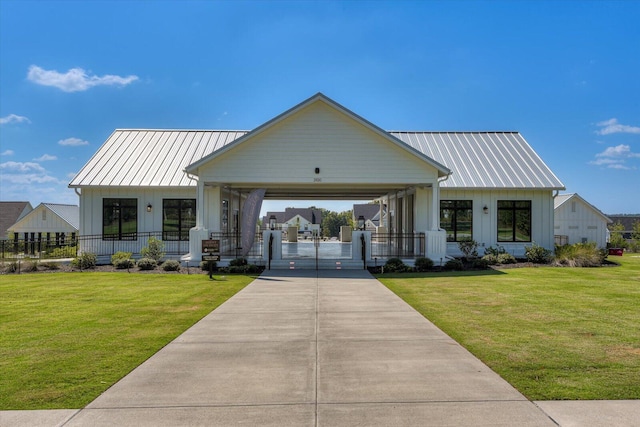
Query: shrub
[120,256]
[495,251]
[506,258]
[31,266]
[204,265]
[123,263]
[490,259]
[480,264]
[395,265]
[85,260]
[579,255]
[237,262]
[171,265]
[244,269]
[153,250]
[51,265]
[537,254]
[453,265]
[469,248]
[147,264]
[423,264]
[11,267]
[62,252]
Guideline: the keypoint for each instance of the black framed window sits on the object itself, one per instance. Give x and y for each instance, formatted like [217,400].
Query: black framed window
[119,219]
[456,217]
[514,220]
[178,217]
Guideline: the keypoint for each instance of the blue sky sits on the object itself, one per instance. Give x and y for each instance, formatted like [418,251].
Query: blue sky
[566,74]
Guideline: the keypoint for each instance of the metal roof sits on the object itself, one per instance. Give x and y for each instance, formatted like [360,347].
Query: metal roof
[68,213]
[560,199]
[484,159]
[146,157]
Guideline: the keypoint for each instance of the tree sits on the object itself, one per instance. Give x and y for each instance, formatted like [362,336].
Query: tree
[332,221]
[616,239]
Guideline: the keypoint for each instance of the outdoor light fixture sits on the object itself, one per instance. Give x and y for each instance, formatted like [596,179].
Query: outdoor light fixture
[361,222]
[485,209]
[272,222]
[149,207]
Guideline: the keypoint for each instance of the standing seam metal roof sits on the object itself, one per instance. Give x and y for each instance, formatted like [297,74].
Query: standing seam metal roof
[159,157]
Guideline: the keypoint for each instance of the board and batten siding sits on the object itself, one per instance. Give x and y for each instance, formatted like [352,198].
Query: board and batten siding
[33,222]
[91,206]
[580,223]
[485,226]
[318,137]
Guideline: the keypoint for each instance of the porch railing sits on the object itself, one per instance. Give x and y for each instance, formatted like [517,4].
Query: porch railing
[400,245]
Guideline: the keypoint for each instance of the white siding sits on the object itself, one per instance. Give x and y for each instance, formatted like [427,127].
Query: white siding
[33,223]
[485,226]
[318,137]
[584,223]
[91,206]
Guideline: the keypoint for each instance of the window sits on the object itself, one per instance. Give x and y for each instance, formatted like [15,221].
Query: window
[119,219]
[178,217]
[514,220]
[456,217]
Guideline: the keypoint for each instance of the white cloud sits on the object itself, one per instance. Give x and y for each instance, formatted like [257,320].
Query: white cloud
[45,157]
[7,153]
[76,79]
[14,118]
[24,173]
[615,157]
[612,126]
[73,142]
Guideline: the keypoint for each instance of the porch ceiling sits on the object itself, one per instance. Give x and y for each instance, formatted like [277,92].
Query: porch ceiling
[321,192]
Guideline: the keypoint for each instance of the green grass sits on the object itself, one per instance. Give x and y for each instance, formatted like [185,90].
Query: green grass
[553,333]
[67,337]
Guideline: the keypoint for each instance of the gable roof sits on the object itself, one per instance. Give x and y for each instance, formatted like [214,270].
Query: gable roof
[69,214]
[319,97]
[306,213]
[160,158]
[562,199]
[367,210]
[10,213]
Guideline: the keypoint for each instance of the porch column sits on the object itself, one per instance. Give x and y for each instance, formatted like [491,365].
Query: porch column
[200,205]
[435,206]
[198,233]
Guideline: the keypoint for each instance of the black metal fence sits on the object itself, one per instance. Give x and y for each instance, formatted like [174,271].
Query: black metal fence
[383,245]
[400,245]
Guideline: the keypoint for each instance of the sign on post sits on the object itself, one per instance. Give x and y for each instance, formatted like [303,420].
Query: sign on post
[211,250]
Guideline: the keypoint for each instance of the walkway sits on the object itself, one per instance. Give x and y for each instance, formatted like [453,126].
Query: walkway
[295,348]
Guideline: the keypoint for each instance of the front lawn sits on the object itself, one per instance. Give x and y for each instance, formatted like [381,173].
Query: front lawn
[66,337]
[553,333]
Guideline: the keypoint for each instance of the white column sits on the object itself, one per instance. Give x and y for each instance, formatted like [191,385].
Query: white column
[200,205]
[435,206]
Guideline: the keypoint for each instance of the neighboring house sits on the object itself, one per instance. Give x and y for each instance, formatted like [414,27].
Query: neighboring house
[371,214]
[306,219]
[441,187]
[627,221]
[10,213]
[578,221]
[48,222]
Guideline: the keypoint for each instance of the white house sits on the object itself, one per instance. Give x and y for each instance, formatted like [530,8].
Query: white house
[49,224]
[578,221]
[440,187]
